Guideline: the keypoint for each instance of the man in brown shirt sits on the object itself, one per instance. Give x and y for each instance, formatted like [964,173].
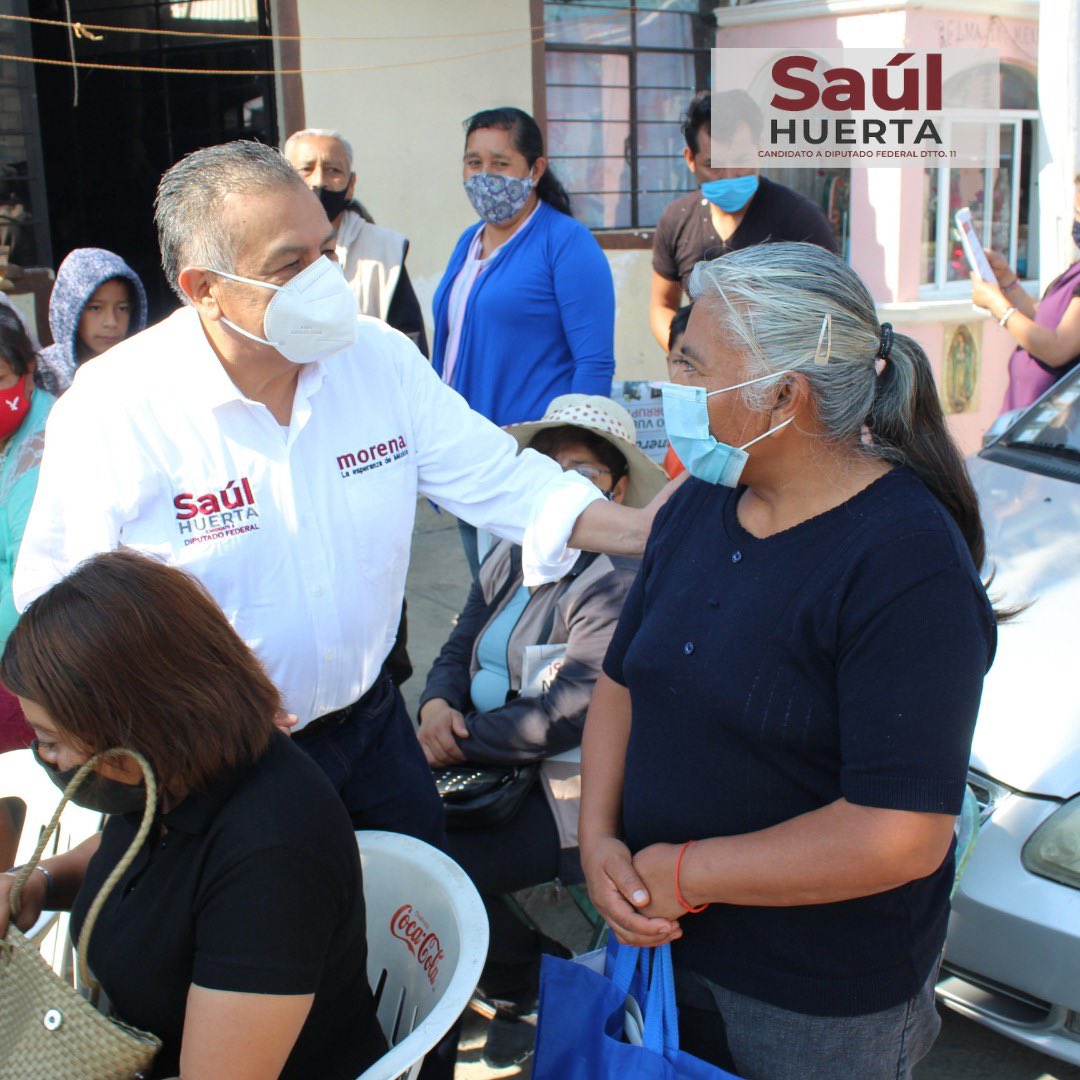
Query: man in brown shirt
[735,207]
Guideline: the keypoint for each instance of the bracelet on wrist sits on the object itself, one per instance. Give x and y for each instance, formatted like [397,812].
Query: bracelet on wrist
[678,892]
[1012,284]
[1006,315]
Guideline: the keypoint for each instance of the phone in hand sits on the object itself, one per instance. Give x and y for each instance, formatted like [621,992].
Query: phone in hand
[973,248]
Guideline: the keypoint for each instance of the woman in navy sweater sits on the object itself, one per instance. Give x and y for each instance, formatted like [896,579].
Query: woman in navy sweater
[526,308]
[802,656]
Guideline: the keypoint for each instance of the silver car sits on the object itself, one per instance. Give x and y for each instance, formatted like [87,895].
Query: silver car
[1012,957]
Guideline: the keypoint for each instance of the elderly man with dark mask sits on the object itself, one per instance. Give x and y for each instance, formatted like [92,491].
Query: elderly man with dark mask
[273,443]
[372,256]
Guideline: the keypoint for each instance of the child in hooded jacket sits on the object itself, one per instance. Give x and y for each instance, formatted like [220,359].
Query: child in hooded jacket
[97,301]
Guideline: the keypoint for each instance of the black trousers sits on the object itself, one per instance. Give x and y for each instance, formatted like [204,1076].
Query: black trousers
[523,851]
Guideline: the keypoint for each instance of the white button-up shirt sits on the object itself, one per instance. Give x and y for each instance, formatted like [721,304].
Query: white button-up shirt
[302,536]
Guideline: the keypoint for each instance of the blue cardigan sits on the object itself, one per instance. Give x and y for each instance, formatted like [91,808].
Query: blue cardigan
[539,322]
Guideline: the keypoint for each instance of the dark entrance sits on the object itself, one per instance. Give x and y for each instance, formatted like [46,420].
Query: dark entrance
[103,157]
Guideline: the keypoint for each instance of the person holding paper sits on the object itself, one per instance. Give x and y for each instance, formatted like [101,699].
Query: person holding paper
[1047,333]
[512,684]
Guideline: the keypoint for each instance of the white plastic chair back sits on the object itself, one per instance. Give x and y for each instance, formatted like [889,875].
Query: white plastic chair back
[427,935]
[22,778]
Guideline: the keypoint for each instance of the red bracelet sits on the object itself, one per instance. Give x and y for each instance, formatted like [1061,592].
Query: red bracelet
[678,891]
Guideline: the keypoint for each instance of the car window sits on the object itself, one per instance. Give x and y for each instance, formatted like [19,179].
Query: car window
[1053,425]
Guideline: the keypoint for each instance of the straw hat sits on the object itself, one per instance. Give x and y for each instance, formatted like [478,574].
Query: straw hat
[613,424]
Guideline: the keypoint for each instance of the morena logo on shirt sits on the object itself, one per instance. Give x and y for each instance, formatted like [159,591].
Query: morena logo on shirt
[372,457]
[410,926]
[229,511]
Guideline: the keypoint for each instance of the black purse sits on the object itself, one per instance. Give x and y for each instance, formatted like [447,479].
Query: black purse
[478,796]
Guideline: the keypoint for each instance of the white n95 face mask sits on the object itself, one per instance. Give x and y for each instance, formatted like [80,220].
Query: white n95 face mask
[308,318]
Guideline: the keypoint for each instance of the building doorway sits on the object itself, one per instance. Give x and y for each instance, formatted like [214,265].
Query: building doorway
[103,155]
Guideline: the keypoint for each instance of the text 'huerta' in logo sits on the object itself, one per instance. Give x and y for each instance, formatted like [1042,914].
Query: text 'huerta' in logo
[366,458]
[229,511]
[814,108]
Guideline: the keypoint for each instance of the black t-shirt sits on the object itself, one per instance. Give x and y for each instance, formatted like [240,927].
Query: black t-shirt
[253,886]
[685,234]
[843,657]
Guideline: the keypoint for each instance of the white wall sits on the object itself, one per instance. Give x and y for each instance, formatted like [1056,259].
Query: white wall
[405,125]
[405,121]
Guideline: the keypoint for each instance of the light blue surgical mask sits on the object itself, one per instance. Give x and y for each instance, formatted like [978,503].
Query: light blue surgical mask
[686,417]
[732,193]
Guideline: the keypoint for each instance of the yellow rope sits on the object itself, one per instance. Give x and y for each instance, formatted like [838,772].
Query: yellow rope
[256,71]
[293,37]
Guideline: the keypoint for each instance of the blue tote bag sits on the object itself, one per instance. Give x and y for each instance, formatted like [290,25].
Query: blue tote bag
[620,1025]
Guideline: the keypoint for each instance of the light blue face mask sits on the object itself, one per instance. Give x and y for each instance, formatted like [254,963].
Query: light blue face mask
[686,417]
[732,193]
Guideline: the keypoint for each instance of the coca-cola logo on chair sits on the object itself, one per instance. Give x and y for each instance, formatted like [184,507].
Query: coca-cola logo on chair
[411,927]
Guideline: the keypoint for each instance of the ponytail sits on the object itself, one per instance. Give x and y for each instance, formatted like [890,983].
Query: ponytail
[907,426]
[529,142]
[771,301]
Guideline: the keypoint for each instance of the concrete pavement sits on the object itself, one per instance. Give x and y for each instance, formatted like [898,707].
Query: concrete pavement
[437,586]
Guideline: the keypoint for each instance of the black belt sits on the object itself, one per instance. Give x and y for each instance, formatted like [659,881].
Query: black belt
[340,716]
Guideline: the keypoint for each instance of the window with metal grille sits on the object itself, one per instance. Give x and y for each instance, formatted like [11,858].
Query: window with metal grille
[619,75]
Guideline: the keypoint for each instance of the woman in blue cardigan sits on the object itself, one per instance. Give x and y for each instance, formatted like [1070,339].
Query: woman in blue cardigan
[526,308]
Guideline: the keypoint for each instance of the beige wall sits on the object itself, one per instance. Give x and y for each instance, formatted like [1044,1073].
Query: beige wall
[405,121]
[405,126]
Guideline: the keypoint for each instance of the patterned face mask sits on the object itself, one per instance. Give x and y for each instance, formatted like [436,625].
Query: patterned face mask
[497,198]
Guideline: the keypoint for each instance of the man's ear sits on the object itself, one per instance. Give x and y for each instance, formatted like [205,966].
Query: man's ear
[688,157]
[619,490]
[198,286]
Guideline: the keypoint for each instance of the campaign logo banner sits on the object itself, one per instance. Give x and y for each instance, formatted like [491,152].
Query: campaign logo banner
[814,108]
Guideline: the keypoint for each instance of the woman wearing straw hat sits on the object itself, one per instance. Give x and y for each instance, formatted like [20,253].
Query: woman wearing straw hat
[512,685]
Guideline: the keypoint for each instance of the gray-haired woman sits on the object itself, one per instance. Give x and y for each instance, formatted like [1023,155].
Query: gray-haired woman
[802,655]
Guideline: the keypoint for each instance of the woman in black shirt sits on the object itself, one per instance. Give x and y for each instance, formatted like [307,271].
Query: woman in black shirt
[237,935]
[802,655]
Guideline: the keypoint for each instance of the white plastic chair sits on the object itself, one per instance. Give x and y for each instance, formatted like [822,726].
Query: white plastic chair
[427,935]
[22,778]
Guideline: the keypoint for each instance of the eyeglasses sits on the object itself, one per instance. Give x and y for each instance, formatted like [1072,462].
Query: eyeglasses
[590,472]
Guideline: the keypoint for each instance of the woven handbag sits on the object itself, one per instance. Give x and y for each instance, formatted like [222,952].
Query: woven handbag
[48,1030]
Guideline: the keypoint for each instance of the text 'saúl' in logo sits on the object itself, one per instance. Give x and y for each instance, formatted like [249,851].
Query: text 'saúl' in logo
[408,925]
[229,511]
[812,108]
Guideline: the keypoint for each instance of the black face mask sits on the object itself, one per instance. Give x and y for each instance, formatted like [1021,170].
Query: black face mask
[333,202]
[96,792]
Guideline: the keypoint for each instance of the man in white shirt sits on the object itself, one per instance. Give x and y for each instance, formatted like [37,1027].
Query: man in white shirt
[372,256]
[273,443]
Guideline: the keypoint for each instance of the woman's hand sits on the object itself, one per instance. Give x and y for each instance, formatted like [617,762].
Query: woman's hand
[655,866]
[986,295]
[617,893]
[285,721]
[31,900]
[440,728]
[1004,273]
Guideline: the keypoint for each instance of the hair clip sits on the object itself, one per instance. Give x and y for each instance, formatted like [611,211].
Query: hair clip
[826,336]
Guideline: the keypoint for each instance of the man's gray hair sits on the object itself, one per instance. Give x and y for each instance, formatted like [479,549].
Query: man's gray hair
[190,197]
[320,133]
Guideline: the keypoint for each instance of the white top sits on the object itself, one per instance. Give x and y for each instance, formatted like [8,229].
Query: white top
[303,541]
[463,286]
[371,259]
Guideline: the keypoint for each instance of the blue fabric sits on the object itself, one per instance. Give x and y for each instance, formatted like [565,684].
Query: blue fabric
[841,658]
[539,321]
[491,683]
[580,1025]
[79,277]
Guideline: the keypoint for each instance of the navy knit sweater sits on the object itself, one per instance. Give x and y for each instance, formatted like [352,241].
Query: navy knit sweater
[769,677]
